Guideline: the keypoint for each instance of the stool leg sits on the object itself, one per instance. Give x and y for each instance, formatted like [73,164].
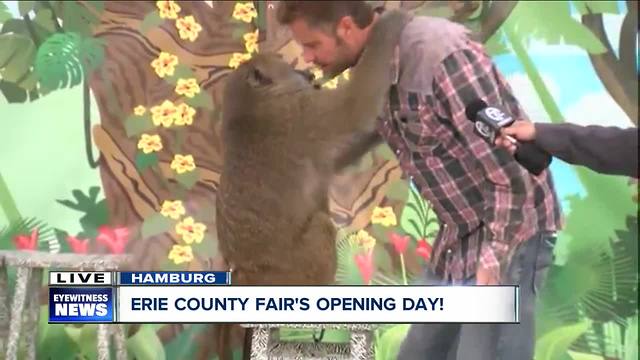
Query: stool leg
[120,342]
[260,343]
[361,345]
[103,342]
[33,312]
[4,308]
[17,307]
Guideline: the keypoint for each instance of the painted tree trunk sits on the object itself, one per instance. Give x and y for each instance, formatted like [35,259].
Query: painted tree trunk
[128,80]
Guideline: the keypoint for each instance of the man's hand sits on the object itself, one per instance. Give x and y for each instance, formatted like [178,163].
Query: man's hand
[520,130]
[486,277]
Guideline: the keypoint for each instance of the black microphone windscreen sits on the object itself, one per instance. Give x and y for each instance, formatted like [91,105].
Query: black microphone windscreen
[472,109]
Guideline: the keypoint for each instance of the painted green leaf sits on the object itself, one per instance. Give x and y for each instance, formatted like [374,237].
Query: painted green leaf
[347,272]
[609,200]
[25,6]
[150,21]
[385,152]
[17,52]
[388,344]
[552,23]
[596,7]
[555,343]
[146,345]
[239,32]
[64,59]
[53,340]
[496,45]
[12,92]
[209,245]
[44,18]
[30,82]
[136,125]
[202,99]
[4,12]
[188,179]
[156,224]
[144,161]
[78,18]
[398,190]
[181,72]
[88,341]
[181,346]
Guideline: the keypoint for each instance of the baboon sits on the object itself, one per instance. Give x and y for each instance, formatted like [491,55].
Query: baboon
[284,139]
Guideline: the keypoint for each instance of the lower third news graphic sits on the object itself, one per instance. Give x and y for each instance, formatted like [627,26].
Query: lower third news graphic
[81,305]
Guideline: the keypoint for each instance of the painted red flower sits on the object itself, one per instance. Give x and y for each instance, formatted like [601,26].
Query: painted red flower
[78,246]
[399,242]
[115,239]
[27,242]
[365,265]
[423,249]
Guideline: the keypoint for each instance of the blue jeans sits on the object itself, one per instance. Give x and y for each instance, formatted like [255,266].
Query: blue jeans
[528,269]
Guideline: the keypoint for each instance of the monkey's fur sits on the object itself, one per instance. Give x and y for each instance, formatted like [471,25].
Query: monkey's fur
[284,139]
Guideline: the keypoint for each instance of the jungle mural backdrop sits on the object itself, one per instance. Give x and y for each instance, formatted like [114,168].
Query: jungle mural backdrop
[110,143]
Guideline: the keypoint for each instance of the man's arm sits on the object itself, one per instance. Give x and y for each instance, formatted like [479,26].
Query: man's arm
[608,150]
[464,76]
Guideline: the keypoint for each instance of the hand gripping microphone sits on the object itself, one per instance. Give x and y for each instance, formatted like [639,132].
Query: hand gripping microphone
[488,120]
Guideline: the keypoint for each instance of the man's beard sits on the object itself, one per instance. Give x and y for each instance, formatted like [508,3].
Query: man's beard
[342,63]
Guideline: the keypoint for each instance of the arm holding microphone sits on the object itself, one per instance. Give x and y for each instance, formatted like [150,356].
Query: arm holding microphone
[604,149]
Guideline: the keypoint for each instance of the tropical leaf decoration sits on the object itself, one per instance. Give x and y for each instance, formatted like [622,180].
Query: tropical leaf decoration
[95,211]
[347,272]
[4,13]
[47,240]
[64,59]
[16,56]
[418,218]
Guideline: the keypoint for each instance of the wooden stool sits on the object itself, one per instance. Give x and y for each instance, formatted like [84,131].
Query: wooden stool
[265,346]
[26,296]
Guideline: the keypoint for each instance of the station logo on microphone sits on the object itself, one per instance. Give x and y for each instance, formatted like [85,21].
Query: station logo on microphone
[81,297]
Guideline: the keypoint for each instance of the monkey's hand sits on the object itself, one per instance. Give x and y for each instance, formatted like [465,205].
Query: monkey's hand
[383,39]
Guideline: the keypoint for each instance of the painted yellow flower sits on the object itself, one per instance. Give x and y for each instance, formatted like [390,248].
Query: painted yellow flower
[363,239]
[244,12]
[345,74]
[164,114]
[187,87]
[168,9]
[331,84]
[251,41]
[317,73]
[188,28]
[181,254]
[184,115]
[183,163]
[191,231]
[165,64]
[139,110]
[150,143]
[172,209]
[238,58]
[384,216]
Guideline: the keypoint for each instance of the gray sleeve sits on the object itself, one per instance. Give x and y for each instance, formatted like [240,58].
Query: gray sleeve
[605,149]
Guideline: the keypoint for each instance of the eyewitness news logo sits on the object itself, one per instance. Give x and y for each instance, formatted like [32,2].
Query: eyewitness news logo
[81,305]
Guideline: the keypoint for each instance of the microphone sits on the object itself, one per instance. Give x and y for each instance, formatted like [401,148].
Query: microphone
[488,120]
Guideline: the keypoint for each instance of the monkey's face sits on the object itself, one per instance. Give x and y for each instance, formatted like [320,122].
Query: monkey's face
[269,74]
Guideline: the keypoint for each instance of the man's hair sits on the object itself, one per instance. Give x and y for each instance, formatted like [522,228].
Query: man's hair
[325,14]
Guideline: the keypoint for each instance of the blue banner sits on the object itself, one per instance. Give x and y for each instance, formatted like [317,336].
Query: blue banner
[163,278]
[81,305]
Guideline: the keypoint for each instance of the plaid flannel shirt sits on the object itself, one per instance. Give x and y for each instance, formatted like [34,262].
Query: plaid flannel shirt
[486,202]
